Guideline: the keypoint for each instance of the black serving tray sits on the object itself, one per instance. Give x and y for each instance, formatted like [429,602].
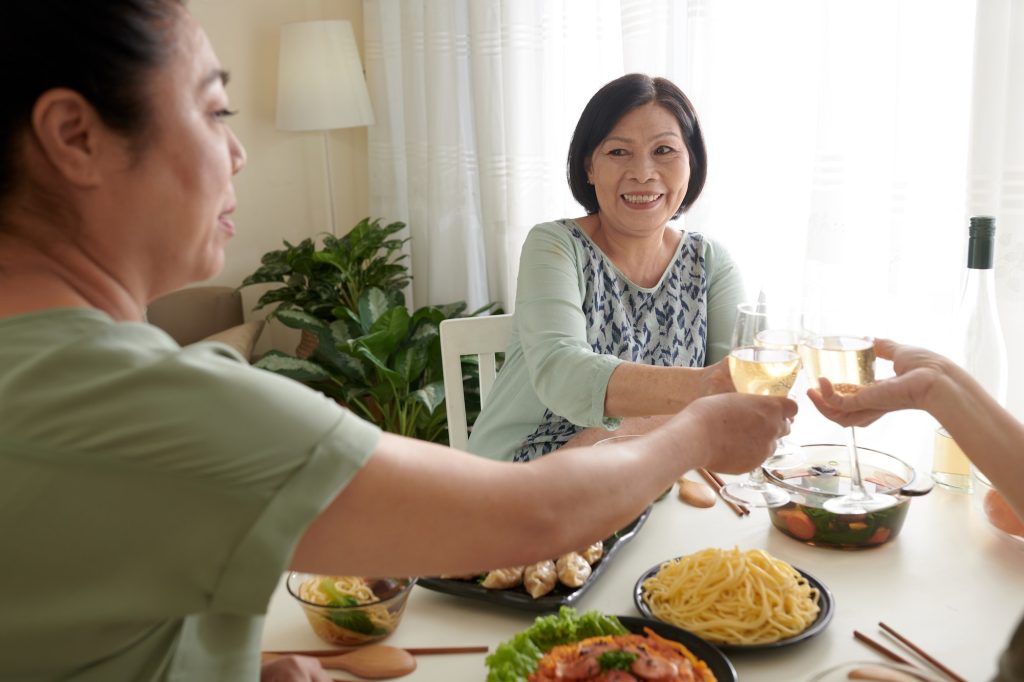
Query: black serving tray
[519,598]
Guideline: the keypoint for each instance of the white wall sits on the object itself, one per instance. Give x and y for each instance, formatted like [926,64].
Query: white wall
[282,192]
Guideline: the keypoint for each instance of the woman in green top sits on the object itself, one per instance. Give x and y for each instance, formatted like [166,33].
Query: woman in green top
[153,494]
[618,314]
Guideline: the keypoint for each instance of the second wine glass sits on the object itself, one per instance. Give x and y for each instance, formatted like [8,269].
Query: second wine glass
[848,362]
[760,368]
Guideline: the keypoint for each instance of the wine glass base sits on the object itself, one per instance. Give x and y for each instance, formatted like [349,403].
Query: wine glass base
[755,494]
[857,504]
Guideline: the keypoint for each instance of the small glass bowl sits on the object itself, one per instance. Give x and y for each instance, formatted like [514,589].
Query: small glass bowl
[360,624]
[825,477]
[992,506]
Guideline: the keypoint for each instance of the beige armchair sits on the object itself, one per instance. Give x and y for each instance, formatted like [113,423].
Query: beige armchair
[211,313]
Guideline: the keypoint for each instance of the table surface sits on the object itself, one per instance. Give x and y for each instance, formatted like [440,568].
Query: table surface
[948,582]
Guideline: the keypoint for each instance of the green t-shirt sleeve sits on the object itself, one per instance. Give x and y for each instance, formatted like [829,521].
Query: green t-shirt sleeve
[725,291]
[570,379]
[192,473]
[284,449]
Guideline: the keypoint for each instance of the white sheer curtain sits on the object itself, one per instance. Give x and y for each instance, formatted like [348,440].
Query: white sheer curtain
[476,101]
[839,136]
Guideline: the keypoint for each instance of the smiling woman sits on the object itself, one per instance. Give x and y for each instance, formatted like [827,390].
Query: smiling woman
[618,314]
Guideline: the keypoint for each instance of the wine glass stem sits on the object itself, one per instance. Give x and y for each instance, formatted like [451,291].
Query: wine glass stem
[855,478]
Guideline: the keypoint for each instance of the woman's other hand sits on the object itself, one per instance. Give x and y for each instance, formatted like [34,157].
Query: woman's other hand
[740,430]
[916,370]
[294,669]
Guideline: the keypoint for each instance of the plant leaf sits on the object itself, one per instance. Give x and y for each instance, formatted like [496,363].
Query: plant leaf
[381,366]
[297,319]
[431,395]
[410,362]
[291,367]
[372,305]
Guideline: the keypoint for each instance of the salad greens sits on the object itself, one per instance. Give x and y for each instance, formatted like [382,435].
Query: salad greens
[514,660]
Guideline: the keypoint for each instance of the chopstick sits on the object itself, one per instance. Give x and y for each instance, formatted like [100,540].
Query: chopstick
[888,653]
[716,482]
[920,652]
[893,656]
[415,651]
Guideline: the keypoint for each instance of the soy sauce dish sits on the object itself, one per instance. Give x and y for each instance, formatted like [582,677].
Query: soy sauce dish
[826,474]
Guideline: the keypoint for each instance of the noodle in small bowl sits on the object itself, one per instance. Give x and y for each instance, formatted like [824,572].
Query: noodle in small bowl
[350,611]
[736,600]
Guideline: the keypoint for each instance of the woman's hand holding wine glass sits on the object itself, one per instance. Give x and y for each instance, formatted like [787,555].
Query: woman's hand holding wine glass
[763,361]
[847,362]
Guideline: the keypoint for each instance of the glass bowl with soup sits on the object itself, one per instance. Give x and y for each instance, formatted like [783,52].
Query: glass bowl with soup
[350,611]
[825,475]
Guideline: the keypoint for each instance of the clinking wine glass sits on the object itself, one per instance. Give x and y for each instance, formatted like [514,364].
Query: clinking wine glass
[848,362]
[760,370]
[785,332]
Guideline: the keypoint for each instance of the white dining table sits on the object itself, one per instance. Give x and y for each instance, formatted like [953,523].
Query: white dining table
[948,582]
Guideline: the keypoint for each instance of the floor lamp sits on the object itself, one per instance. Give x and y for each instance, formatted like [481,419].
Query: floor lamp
[320,84]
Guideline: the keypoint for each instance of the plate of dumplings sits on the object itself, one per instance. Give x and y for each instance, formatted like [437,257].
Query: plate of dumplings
[544,586]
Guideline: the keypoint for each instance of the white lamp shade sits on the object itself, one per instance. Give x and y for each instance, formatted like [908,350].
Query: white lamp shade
[320,82]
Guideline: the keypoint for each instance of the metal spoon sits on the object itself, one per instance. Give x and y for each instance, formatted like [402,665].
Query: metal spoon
[374,661]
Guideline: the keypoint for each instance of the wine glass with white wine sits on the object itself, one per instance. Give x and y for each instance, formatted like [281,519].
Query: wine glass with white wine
[848,362]
[760,369]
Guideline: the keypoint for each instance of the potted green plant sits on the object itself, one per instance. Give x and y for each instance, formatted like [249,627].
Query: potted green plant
[382,362]
[326,281]
[317,280]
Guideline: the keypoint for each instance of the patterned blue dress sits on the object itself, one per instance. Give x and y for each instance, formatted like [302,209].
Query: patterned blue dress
[578,317]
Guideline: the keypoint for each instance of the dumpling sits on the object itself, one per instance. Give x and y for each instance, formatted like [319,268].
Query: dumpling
[593,553]
[573,570]
[540,578]
[503,578]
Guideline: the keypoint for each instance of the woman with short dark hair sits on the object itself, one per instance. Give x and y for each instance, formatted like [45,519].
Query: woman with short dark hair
[620,318]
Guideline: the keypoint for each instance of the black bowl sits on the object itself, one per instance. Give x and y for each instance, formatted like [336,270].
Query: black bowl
[826,605]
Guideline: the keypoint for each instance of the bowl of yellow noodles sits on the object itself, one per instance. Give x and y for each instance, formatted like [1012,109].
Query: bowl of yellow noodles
[737,600]
[350,611]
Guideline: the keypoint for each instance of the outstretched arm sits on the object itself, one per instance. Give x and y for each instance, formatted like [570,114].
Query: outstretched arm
[984,430]
[421,509]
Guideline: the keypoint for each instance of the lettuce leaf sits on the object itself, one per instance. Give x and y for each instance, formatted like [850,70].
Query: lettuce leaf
[514,660]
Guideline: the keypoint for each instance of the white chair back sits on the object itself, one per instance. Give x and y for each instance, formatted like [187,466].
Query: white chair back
[481,336]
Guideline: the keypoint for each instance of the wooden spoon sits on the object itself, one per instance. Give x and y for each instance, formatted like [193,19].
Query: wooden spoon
[374,661]
[877,673]
[696,493]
